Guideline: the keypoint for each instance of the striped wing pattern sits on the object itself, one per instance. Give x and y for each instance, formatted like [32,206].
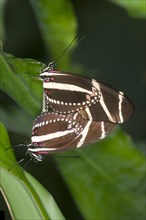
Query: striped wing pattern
[67,92]
[76,111]
[53,132]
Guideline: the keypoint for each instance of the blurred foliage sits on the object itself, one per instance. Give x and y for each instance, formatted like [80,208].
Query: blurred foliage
[26,198]
[58,27]
[2,4]
[135,8]
[14,79]
[107,181]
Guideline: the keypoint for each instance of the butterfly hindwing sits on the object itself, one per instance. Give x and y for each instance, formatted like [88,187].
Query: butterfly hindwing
[53,132]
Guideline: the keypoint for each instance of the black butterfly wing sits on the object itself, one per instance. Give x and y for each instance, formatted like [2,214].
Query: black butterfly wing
[68,92]
[51,131]
[113,105]
[54,132]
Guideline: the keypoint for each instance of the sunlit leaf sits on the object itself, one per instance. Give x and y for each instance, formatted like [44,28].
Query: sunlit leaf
[135,8]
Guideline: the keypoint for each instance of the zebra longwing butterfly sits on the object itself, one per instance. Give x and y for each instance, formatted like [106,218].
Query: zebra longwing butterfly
[77,111]
[66,93]
[53,132]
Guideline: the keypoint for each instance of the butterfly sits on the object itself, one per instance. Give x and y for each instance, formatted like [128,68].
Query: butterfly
[77,111]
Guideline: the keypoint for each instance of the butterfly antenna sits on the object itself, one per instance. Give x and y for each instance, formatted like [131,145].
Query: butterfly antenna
[18,162]
[78,41]
[18,145]
[27,162]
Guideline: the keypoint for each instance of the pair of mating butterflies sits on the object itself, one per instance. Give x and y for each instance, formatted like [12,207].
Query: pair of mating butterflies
[76,111]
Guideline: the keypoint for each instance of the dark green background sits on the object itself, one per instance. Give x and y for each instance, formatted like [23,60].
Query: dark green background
[113,52]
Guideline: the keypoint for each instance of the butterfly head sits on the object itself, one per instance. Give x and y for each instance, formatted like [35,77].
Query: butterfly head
[34,153]
[45,75]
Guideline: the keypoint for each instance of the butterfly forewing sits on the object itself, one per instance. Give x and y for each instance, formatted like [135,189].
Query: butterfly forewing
[113,105]
[68,92]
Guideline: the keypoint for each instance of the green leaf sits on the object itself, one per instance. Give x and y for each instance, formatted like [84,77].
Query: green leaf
[7,158]
[58,25]
[17,81]
[16,120]
[25,197]
[108,180]
[135,8]
[46,199]
[2,7]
